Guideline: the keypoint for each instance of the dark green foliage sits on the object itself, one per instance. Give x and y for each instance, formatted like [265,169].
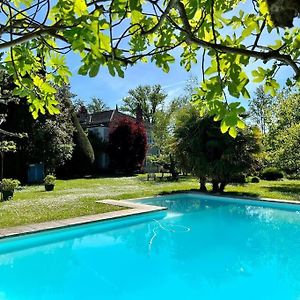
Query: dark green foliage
[83,155]
[255,179]
[51,141]
[49,138]
[240,178]
[210,155]
[271,174]
[82,142]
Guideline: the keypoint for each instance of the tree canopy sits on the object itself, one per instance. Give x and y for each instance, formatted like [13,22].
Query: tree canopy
[283,138]
[225,36]
[96,105]
[210,155]
[260,108]
[149,99]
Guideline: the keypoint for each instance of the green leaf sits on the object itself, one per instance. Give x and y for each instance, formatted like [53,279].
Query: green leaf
[94,69]
[136,17]
[233,132]
[83,70]
[80,7]
[224,126]
[241,124]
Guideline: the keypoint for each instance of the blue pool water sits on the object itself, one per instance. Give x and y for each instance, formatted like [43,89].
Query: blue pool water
[201,248]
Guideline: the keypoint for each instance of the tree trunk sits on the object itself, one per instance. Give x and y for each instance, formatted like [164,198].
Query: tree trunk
[202,185]
[222,186]
[2,167]
[215,185]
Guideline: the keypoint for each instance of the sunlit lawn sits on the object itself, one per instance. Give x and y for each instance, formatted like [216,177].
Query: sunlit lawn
[71,198]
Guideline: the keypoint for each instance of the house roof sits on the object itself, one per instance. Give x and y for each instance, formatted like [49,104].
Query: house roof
[103,118]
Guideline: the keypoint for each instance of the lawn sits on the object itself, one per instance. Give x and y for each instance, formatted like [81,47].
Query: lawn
[31,204]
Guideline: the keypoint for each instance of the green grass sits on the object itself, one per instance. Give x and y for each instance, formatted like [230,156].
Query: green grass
[72,198]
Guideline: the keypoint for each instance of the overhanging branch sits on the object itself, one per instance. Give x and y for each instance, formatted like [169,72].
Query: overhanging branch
[264,56]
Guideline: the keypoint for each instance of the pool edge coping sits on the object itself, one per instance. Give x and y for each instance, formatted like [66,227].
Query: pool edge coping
[274,200]
[131,209]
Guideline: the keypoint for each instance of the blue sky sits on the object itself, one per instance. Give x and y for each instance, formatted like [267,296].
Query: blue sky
[113,89]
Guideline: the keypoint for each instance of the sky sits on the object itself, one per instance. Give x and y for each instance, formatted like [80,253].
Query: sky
[112,89]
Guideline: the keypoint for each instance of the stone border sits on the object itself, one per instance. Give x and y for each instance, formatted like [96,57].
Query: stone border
[133,209]
[269,200]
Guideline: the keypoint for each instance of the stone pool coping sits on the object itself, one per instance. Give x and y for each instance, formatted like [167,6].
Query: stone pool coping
[133,208]
[270,200]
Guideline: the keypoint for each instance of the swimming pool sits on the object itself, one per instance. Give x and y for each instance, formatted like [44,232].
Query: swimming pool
[201,248]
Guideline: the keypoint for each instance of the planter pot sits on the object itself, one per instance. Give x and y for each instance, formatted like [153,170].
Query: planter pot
[49,187]
[7,195]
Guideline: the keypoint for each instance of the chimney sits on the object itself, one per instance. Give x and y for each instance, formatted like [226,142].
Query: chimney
[117,109]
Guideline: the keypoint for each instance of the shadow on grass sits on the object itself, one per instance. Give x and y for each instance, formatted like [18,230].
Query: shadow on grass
[166,178]
[209,193]
[285,189]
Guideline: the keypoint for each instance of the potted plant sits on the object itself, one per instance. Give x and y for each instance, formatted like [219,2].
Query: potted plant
[8,186]
[49,181]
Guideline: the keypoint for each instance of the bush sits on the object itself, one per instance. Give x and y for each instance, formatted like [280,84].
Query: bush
[127,146]
[295,176]
[50,179]
[241,178]
[8,184]
[255,179]
[271,174]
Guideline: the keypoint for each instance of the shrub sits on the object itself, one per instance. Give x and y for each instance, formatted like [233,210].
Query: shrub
[271,174]
[295,176]
[239,178]
[255,179]
[9,184]
[203,150]
[127,146]
[50,179]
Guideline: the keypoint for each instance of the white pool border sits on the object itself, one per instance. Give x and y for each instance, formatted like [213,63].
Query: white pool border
[133,209]
[136,208]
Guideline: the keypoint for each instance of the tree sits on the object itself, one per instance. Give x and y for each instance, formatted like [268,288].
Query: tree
[6,147]
[147,98]
[78,105]
[282,140]
[51,139]
[96,105]
[163,128]
[127,146]
[210,155]
[83,155]
[287,155]
[116,34]
[260,108]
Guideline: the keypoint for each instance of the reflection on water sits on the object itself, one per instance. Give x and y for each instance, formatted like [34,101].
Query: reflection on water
[201,250]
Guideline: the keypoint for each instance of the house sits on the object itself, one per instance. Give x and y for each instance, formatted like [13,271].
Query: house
[100,124]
